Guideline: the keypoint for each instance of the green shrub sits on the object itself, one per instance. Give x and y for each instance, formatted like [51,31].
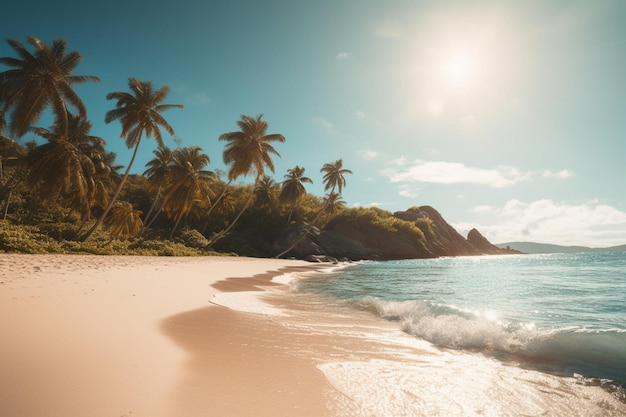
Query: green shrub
[192,238]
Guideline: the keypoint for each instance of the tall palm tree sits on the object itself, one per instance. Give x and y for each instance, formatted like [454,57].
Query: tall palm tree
[248,150]
[187,184]
[334,177]
[293,187]
[140,114]
[37,81]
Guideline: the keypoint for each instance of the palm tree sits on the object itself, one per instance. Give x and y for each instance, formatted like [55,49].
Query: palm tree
[11,153]
[37,81]
[158,168]
[248,151]
[333,202]
[334,177]
[264,190]
[293,188]
[187,184]
[124,221]
[140,114]
[64,168]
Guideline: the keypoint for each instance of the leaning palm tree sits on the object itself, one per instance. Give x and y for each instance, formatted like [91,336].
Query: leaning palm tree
[140,114]
[334,177]
[188,184]
[37,81]
[293,188]
[248,150]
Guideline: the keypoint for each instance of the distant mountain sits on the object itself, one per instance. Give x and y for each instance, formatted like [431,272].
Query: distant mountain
[533,247]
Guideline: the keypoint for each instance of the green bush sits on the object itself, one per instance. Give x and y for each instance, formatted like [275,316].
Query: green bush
[192,238]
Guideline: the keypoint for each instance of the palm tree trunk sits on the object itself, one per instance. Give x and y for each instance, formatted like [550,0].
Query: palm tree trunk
[6,205]
[115,196]
[214,204]
[307,230]
[224,232]
[154,203]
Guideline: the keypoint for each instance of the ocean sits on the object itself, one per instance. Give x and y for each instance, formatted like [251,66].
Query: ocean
[511,335]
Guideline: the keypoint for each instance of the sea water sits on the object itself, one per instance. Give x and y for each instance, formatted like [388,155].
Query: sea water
[546,324]
[515,335]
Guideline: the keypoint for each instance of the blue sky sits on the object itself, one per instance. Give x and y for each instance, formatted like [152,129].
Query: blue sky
[507,116]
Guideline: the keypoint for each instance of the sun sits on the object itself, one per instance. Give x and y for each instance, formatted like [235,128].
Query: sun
[459,68]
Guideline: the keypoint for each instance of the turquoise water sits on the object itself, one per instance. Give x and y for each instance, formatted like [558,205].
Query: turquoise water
[562,313]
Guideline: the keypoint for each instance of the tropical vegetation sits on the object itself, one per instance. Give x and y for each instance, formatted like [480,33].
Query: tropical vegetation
[63,191]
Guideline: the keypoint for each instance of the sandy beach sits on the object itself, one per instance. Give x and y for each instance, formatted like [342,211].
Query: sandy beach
[221,336]
[138,336]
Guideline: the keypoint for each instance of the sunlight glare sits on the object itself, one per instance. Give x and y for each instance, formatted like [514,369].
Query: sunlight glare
[459,68]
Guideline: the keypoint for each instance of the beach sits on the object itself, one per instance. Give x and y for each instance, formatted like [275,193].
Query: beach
[225,336]
[138,336]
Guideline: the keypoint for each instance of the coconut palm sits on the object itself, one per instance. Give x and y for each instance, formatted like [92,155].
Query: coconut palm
[188,184]
[248,150]
[334,177]
[333,202]
[124,221]
[265,190]
[37,81]
[293,187]
[140,114]
[59,172]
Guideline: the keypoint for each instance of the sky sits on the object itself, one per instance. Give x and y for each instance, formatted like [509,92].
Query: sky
[505,116]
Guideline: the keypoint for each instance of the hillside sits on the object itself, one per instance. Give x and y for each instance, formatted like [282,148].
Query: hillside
[533,247]
[371,233]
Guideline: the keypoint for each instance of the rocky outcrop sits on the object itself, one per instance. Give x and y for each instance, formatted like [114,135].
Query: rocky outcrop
[346,240]
[481,243]
[446,241]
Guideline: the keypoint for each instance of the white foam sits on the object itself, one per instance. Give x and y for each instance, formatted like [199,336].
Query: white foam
[459,384]
[245,301]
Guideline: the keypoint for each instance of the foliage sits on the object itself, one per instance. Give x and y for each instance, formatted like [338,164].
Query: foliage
[425,224]
[374,226]
[192,238]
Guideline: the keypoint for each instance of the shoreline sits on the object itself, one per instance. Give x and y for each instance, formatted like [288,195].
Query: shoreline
[118,336]
[83,334]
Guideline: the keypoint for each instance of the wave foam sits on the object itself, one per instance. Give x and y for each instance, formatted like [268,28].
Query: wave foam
[600,354]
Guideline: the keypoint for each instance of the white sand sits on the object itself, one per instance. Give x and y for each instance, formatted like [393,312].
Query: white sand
[83,335]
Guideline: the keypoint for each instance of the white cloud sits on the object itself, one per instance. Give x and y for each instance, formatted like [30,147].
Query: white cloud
[323,122]
[359,114]
[199,98]
[546,221]
[342,56]
[563,174]
[443,172]
[408,191]
[368,154]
